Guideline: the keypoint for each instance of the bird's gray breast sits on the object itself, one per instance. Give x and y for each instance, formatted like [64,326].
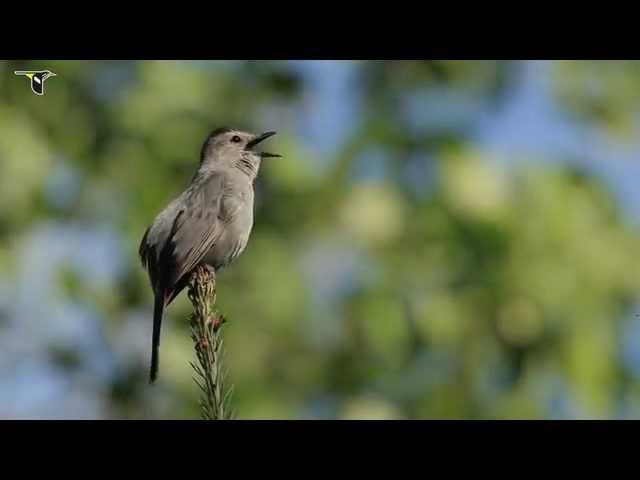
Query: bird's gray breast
[236,217]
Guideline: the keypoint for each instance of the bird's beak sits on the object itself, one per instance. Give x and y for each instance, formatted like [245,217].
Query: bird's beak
[260,138]
[257,140]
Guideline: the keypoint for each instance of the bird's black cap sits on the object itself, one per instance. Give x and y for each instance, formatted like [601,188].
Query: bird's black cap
[214,134]
[220,131]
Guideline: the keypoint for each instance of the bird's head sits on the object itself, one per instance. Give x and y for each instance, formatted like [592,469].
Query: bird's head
[234,148]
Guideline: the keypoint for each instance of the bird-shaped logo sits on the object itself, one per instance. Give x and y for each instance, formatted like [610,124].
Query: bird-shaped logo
[37,79]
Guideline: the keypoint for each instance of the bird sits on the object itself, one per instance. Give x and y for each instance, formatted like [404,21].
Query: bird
[37,79]
[208,224]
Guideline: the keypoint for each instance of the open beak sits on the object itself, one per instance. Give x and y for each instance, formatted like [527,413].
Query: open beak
[259,139]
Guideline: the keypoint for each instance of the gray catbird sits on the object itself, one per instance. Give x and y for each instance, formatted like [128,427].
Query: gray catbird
[208,223]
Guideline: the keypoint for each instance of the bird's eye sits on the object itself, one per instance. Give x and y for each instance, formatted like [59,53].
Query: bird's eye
[235,139]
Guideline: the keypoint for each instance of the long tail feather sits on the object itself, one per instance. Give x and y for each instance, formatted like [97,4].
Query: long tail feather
[158,310]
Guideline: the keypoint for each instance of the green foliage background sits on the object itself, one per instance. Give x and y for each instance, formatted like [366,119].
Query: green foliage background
[453,285]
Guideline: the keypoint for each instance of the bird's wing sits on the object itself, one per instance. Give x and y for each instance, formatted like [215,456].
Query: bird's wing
[196,228]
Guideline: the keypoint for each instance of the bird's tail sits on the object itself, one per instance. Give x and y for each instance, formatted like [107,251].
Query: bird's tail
[158,310]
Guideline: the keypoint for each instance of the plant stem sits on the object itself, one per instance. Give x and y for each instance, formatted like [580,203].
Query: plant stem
[206,334]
